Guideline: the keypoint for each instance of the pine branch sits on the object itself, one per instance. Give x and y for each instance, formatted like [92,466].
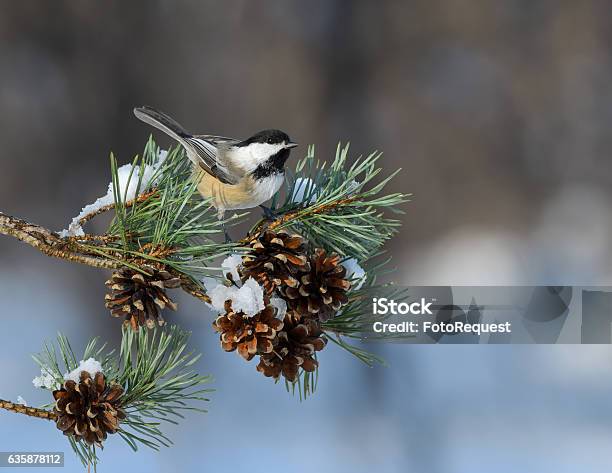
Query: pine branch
[175,219]
[162,236]
[105,208]
[155,371]
[298,214]
[51,244]
[79,249]
[333,208]
[170,216]
[164,230]
[28,411]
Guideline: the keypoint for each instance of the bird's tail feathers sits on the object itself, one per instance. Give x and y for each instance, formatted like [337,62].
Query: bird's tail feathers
[162,122]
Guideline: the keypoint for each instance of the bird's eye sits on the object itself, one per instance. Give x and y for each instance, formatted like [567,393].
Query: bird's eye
[270,140]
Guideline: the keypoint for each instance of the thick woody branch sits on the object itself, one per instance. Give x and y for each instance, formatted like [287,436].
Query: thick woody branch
[71,249]
[50,243]
[28,411]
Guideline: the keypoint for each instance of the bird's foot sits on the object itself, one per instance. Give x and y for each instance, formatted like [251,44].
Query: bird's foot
[268,212]
[228,238]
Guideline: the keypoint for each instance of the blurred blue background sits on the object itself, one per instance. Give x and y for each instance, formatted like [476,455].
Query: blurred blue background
[498,112]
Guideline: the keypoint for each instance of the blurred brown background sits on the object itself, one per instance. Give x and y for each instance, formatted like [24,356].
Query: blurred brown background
[494,110]
[498,112]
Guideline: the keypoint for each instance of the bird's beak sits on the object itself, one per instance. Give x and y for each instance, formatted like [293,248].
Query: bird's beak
[291,145]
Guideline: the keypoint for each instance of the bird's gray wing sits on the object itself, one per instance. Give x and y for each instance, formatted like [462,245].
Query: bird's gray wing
[201,151]
[218,141]
[210,159]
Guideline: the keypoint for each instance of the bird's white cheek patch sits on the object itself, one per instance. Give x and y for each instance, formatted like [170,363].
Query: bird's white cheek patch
[261,152]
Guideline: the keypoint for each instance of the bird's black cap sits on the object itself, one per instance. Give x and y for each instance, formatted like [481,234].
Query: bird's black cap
[267,136]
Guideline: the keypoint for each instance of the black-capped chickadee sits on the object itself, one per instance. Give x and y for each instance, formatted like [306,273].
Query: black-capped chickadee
[234,174]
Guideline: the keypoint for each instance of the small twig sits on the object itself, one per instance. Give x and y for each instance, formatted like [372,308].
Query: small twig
[92,238]
[141,198]
[193,289]
[157,251]
[28,411]
[301,213]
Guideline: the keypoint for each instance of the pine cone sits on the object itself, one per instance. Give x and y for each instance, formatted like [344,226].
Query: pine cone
[275,259]
[90,409]
[294,348]
[322,290]
[248,335]
[139,297]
